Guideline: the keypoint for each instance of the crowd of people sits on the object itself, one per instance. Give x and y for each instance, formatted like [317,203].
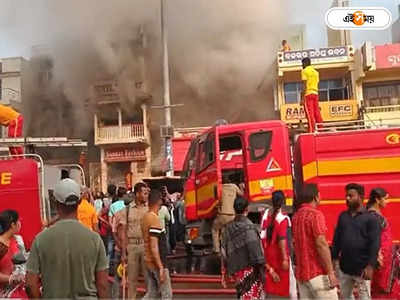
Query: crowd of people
[95,238]
[291,257]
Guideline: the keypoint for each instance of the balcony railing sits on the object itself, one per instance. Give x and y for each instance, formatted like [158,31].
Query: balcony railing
[127,133]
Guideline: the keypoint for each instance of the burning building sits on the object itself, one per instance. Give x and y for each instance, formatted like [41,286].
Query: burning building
[122,135]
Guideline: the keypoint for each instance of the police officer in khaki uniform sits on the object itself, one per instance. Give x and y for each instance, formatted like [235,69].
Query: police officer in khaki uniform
[131,238]
[226,212]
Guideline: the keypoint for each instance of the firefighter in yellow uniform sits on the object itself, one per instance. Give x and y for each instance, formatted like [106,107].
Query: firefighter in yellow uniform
[14,121]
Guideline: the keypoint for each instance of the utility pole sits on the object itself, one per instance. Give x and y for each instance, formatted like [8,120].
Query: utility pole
[168,133]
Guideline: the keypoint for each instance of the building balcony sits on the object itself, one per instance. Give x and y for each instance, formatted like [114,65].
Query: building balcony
[121,134]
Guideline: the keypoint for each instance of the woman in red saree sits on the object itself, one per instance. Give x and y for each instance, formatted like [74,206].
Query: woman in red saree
[275,230]
[9,226]
[384,284]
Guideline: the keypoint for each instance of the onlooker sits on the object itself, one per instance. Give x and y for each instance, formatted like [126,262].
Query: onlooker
[314,271]
[98,202]
[285,46]
[180,219]
[158,280]
[356,244]
[10,225]
[275,237]
[118,202]
[87,214]
[310,78]
[105,228]
[384,284]
[117,205]
[67,260]
[242,255]
[131,238]
[111,195]
[165,219]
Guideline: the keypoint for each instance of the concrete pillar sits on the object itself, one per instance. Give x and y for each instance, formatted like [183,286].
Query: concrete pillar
[96,131]
[103,171]
[148,138]
[120,121]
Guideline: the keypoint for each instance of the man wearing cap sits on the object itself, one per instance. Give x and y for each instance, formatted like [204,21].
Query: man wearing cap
[67,260]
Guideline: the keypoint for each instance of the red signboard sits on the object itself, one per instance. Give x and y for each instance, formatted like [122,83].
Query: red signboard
[124,155]
[19,190]
[387,56]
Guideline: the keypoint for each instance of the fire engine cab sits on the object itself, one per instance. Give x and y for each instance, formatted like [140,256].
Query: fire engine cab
[261,156]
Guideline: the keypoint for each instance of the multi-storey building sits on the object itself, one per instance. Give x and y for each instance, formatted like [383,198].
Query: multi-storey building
[396,28]
[378,83]
[337,95]
[122,135]
[14,79]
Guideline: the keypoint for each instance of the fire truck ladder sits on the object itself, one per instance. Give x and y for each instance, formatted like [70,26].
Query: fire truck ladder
[41,142]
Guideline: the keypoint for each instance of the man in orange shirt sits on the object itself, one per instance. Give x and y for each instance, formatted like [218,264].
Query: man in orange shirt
[15,122]
[87,213]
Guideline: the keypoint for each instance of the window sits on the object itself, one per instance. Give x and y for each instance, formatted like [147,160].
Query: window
[206,151]
[228,143]
[333,89]
[189,162]
[260,144]
[382,94]
[293,92]
[329,90]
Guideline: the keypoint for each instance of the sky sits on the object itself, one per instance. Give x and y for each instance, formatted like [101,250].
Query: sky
[25,22]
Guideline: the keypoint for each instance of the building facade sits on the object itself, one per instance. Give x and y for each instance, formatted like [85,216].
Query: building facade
[396,29]
[378,83]
[122,135]
[14,80]
[337,93]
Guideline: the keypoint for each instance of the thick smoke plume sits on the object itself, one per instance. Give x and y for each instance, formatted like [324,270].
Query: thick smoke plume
[220,51]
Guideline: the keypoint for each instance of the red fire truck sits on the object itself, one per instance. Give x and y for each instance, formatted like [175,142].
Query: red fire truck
[261,155]
[26,182]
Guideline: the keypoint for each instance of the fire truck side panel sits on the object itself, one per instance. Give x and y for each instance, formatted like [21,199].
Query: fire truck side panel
[19,190]
[367,157]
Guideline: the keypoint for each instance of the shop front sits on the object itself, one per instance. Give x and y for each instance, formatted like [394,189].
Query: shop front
[124,165]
